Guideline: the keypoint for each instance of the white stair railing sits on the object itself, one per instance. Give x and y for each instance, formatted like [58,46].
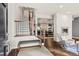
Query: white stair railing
[22,28]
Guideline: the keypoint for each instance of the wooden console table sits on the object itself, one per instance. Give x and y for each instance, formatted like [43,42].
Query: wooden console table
[76,39]
[47,41]
[44,38]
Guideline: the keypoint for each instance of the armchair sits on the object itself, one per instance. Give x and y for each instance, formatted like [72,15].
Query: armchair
[72,46]
[69,44]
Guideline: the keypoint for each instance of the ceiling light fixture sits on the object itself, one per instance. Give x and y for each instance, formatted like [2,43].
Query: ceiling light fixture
[61,6]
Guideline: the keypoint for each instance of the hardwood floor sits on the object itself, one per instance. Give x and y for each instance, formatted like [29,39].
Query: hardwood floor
[14,52]
[55,52]
[55,48]
[52,46]
[61,52]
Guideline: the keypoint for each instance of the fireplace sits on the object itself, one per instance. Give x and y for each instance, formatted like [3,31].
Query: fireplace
[65,30]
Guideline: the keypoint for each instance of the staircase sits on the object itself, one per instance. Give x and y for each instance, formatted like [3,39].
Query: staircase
[22,28]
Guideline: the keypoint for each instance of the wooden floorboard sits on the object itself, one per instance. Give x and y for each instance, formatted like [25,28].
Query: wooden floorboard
[62,52]
[55,52]
[55,49]
[13,52]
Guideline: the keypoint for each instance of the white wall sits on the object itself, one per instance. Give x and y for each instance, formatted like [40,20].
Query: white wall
[14,14]
[62,20]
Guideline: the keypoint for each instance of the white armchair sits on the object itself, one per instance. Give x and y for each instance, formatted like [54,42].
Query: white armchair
[69,44]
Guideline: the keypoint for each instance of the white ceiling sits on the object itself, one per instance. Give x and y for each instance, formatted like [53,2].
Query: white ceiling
[51,8]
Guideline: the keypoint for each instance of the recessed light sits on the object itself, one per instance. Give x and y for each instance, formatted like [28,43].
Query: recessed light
[61,6]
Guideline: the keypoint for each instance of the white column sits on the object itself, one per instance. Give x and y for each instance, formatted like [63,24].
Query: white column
[35,23]
[61,21]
